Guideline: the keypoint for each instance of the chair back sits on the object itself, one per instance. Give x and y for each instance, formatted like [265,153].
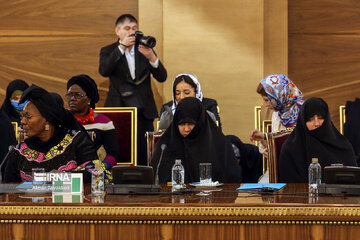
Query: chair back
[342,118]
[152,138]
[274,145]
[125,122]
[15,126]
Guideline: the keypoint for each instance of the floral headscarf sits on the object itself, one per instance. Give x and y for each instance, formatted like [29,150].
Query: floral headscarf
[198,93]
[288,98]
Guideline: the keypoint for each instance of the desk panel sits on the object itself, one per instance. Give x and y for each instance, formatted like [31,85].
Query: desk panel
[226,214]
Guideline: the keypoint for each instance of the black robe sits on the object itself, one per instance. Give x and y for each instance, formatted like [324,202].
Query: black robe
[352,125]
[251,160]
[325,143]
[205,143]
[7,138]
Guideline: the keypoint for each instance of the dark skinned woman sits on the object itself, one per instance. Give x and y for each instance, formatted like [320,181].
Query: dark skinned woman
[54,140]
[82,95]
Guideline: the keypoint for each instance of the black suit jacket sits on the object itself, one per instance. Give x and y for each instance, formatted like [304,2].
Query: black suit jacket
[123,90]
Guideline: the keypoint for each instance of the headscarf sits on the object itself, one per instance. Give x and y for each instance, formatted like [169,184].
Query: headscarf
[57,98]
[50,109]
[198,92]
[205,143]
[288,98]
[250,159]
[18,86]
[88,85]
[325,143]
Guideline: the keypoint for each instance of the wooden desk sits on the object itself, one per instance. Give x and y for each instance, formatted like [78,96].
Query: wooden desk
[224,214]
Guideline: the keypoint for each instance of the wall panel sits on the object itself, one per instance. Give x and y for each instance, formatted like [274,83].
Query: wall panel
[324,50]
[47,42]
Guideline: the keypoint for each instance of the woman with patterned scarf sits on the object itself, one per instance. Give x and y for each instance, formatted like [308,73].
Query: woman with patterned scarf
[55,141]
[282,96]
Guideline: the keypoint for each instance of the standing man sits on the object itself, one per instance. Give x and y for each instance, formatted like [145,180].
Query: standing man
[129,65]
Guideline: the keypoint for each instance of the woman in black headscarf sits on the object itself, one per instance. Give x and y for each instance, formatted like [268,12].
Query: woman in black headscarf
[82,95]
[194,138]
[7,139]
[54,139]
[11,106]
[313,137]
[249,159]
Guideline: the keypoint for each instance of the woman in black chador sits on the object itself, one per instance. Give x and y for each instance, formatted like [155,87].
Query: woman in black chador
[11,106]
[194,138]
[313,137]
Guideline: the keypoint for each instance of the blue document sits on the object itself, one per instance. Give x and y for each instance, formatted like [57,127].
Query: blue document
[255,186]
[25,185]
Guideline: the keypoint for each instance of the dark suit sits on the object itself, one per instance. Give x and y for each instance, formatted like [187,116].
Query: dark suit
[126,92]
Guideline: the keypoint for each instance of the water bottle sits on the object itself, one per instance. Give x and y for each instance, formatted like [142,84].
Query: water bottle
[314,176]
[97,180]
[178,176]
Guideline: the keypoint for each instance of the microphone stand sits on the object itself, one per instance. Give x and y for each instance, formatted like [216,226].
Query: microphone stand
[163,146]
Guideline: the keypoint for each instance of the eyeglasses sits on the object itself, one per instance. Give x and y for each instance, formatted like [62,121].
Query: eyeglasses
[25,116]
[75,95]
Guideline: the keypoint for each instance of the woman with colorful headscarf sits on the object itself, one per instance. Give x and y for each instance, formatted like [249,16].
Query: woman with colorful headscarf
[82,95]
[282,96]
[11,106]
[314,136]
[187,85]
[55,140]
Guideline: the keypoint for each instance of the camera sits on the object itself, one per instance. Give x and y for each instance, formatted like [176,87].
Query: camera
[147,41]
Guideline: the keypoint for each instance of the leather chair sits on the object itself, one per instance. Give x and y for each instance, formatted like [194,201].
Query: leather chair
[125,122]
[152,138]
[274,144]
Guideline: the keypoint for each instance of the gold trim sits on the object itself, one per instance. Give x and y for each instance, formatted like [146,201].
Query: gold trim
[133,111]
[275,211]
[15,126]
[257,112]
[180,222]
[342,118]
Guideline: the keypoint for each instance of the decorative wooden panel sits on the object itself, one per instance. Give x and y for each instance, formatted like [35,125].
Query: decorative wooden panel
[324,50]
[47,42]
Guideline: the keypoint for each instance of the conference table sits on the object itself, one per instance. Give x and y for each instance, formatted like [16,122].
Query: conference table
[223,213]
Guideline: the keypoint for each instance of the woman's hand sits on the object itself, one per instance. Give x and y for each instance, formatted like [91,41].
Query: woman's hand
[256,135]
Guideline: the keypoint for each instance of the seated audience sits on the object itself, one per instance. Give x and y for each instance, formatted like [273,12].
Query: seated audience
[186,85]
[249,159]
[11,106]
[313,137]
[82,95]
[54,140]
[194,138]
[282,96]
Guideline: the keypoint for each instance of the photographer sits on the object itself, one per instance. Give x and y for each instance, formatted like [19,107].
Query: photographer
[129,63]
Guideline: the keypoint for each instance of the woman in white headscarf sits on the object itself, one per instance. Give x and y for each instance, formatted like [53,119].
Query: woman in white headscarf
[187,85]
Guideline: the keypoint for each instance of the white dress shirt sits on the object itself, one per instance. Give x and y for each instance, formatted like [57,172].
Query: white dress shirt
[130,57]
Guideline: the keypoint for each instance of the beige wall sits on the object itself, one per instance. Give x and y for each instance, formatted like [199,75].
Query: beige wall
[222,42]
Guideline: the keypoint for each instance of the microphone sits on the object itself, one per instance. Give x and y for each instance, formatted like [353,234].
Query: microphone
[163,146]
[11,147]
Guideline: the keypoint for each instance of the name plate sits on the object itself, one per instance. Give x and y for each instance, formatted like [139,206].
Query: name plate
[67,198]
[62,182]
